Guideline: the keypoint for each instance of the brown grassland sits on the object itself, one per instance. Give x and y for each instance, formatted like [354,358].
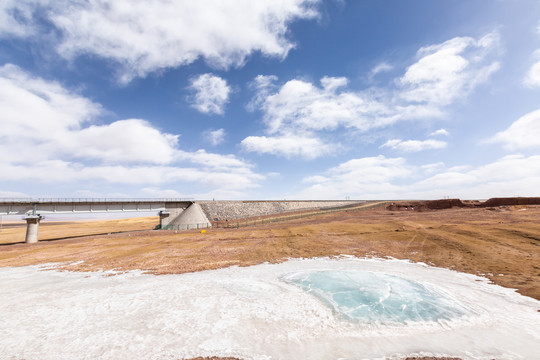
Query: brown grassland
[502,243]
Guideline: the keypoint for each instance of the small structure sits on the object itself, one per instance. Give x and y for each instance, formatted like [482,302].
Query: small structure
[32,225]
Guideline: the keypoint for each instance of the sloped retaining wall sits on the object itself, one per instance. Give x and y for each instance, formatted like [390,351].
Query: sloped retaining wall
[228,210]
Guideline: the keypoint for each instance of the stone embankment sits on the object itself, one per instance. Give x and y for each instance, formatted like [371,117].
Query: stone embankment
[229,210]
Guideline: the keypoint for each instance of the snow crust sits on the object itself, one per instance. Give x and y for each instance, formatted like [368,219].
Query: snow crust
[263,312]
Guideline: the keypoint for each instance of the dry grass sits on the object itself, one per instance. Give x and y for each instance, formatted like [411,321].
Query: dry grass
[59,230]
[479,241]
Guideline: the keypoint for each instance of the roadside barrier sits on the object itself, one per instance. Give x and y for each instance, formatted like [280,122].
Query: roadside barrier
[183,226]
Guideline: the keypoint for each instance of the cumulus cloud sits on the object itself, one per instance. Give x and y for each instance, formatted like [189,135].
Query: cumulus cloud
[302,106]
[145,36]
[211,93]
[513,175]
[432,168]
[532,79]
[125,141]
[414,145]
[392,178]
[49,133]
[43,120]
[60,171]
[440,132]
[215,137]
[287,146]
[294,113]
[16,18]
[364,178]
[524,133]
[380,68]
[442,74]
[449,70]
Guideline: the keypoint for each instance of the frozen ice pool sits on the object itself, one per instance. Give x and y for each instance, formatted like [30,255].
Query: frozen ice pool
[377,298]
[317,309]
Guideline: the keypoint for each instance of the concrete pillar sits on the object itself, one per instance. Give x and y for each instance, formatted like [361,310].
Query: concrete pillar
[164,219]
[32,227]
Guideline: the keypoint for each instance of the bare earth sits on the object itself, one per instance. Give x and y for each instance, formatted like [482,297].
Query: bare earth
[502,243]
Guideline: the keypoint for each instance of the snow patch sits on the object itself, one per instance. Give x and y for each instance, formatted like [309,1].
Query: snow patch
[253,313]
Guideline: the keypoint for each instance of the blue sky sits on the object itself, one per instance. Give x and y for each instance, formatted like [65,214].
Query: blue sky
[270,99]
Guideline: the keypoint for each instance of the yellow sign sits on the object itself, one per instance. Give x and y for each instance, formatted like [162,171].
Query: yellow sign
[203,231]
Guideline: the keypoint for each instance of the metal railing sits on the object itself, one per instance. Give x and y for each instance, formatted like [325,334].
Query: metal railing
[184,226]
[92,200]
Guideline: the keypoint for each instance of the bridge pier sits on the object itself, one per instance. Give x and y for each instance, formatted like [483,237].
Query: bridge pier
[32,227]
[164,218]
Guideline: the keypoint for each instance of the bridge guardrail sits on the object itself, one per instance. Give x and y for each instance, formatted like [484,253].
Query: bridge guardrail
[90,200]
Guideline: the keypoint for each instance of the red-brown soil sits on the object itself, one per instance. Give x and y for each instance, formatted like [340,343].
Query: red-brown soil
[457,203]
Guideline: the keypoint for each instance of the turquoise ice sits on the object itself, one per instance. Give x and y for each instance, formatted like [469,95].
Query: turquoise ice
[376,298]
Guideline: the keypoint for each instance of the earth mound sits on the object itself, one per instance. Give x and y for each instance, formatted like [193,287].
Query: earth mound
[426,205]
[457,203]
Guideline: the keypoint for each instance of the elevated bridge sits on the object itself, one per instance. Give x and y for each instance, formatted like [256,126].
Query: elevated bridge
[33,210]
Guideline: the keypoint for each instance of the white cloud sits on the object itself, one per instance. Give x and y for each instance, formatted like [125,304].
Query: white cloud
[41,120]
[392,178]
[432,168]
[215,137]
[59,171]
[442,74]
[302,106]
[449,70]
[154,192]
[213,161]
[514,175]
[145,36]
[211,93]
[364,178]
[524,133]
[532,79]
[48,135]
[43,100]
[287,146]
[298,110]
[124,141]
[379,68]
[262,86]
[16,17]
[440,132]
[414,145]
[13,194]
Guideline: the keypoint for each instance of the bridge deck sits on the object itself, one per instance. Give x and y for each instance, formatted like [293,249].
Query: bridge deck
[21,206]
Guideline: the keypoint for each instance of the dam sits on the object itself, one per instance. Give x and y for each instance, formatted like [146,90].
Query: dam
[177,213]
